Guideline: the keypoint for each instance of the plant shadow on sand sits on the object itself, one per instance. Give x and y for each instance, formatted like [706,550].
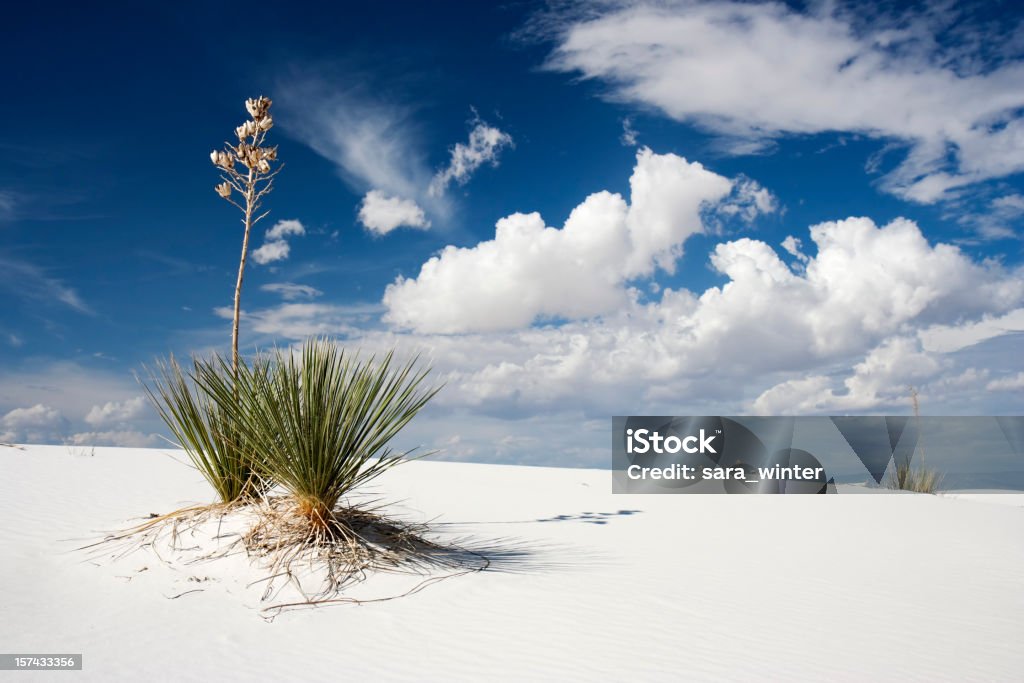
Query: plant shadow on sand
[355,543]
[590,517]
[599,518]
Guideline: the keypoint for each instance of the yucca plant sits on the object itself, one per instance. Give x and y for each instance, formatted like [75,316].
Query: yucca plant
[318,422]
[206,432]
[903,477]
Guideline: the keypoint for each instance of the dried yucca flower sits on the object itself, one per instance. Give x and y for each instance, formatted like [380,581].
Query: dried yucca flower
[222,159]
[258,108]
[246,130]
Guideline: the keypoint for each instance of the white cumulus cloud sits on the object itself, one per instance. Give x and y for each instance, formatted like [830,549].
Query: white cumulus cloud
[530,271]
[882,378]
[113,412]
[36,424]
[381,214]
[286,228]
[484,145]
[629,135]
[1008,383]
[793,246]
[846,330]
[275,246]
[278,250]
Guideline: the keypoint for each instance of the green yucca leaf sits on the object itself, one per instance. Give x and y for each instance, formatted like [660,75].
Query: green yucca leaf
[205,430]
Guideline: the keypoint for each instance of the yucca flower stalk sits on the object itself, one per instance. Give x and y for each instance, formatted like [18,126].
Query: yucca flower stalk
[247,169]
[319,421]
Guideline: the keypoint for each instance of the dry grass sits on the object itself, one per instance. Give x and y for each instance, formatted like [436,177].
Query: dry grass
[344,548]
[164,530]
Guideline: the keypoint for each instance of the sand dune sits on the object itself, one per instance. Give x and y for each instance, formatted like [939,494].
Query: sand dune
[593,586]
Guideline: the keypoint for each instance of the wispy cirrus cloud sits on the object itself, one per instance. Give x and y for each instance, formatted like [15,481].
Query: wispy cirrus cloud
[374,142]
[753,72]
[290,291]
[31,282]
[8,202]
[998,218]
[379,149]
[299,320]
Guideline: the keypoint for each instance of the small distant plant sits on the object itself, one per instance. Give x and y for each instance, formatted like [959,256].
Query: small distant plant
[903,476]
[252,183]
[318,422]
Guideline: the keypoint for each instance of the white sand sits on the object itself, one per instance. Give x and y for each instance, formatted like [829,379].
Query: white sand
[840,588]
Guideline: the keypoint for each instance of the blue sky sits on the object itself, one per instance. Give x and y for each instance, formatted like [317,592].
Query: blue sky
[781,209]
